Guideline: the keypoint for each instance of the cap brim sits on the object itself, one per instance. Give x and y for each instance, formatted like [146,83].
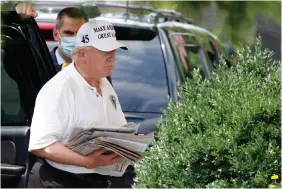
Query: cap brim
[114,46]
[123,47]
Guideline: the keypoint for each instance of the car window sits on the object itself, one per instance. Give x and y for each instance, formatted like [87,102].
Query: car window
[25,67]
[176,41]
[190,54]
[194,60]
[179,40]
[11,109]
[139,77]
[12,87]
[210,50]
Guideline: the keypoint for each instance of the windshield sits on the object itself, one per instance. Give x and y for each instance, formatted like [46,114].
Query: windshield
[139,77]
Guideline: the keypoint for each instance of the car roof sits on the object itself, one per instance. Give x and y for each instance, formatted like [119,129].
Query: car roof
[167,24]
[115,19]
[49,23]
[119,19]
[125,22]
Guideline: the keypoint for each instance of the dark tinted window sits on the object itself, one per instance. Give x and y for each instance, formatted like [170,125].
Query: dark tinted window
[209,47]
[190,54]
[195,60]
[11,109]
[25,67]
[139,77]
[179,41]
[12,86]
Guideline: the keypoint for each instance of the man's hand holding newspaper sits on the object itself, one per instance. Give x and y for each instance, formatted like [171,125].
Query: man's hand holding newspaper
[123,141]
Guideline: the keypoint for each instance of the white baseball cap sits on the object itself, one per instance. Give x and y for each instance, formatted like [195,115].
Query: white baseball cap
[99,34]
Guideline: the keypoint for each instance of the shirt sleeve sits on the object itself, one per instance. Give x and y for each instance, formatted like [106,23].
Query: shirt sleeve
[51,117]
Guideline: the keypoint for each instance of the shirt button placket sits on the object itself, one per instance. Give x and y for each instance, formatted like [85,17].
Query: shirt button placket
[95,93]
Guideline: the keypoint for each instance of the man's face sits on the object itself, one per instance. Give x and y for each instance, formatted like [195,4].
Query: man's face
[99,63]
[69,28]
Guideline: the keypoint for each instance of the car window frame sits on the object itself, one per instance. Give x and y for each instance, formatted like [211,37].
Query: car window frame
[203,56]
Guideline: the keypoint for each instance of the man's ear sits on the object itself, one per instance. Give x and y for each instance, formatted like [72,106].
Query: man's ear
[81,53]
[56,35]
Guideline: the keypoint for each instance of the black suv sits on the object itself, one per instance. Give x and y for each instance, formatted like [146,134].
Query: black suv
[163,49]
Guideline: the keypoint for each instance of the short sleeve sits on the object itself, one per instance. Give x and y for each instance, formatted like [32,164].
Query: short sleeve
[52,115]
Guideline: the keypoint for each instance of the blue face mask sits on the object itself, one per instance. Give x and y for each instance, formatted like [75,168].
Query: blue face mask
[67,45]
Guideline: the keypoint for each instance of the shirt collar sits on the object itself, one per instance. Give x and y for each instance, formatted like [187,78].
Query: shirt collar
[60,59]
[81,79]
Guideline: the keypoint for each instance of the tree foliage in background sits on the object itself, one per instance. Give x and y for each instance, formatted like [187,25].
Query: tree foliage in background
[237,17]
[225,132]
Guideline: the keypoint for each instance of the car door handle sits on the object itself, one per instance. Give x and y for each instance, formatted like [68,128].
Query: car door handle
[14,170]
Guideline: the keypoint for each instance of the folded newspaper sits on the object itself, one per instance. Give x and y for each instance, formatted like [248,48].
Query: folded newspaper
[122,140]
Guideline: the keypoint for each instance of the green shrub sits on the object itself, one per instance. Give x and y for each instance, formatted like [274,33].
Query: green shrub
[225,132]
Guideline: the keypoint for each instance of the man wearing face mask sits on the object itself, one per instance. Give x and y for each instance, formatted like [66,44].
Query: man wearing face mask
[68,22]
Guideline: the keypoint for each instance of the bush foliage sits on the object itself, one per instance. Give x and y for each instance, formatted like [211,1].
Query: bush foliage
[225,132]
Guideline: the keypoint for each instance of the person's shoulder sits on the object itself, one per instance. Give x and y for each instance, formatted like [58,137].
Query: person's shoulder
[105,82]
[60,83]
[108,86]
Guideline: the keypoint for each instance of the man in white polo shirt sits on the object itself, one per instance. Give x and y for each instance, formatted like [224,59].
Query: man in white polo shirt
[79,96]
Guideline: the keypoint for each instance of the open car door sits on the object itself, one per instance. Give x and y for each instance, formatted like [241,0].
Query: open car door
[26,66]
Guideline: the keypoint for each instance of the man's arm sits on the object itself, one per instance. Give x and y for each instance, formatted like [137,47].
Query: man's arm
[52,121]
[57,152]
[26,10]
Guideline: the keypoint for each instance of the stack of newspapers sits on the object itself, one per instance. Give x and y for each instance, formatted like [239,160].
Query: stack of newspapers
[122,140]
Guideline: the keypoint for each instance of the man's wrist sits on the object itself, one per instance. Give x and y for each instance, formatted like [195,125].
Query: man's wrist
[85,162]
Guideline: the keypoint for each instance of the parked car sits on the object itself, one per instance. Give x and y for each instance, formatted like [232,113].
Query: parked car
[161,54]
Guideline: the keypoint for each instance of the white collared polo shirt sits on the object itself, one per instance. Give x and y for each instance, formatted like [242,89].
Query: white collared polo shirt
[66,102]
